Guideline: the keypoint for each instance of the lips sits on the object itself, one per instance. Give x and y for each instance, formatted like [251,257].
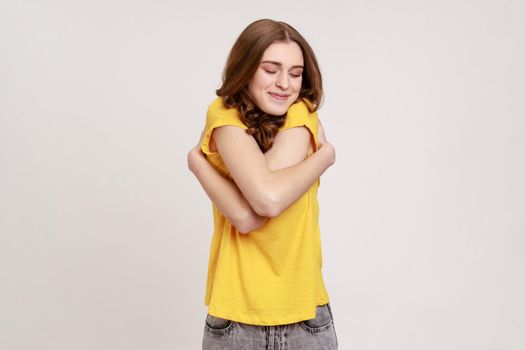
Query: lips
[279,96]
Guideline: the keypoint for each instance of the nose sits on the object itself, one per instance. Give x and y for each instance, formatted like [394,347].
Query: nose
[282,80]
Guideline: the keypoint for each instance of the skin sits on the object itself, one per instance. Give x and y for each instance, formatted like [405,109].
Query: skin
[282,77]
[264,184]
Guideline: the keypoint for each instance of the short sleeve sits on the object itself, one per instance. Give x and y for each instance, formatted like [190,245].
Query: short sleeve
[218,115]
[300,115]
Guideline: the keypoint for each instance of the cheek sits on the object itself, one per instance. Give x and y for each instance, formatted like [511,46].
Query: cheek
[297,84]
[262,81]
[255,86]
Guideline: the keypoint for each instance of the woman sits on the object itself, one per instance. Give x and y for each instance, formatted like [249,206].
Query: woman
[259,160]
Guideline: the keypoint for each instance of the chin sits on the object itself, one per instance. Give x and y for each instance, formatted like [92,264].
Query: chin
[279,111]
[276,110]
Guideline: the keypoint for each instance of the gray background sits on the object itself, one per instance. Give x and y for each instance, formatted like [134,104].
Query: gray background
[105,234]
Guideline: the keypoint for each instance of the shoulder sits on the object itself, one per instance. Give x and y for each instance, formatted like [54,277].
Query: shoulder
[218,114]
[299,114]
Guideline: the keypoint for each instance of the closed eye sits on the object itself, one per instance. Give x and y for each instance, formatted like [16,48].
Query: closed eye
[273,72]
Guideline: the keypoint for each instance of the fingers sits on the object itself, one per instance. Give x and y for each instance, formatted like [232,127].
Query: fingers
[202,135]
[321,133]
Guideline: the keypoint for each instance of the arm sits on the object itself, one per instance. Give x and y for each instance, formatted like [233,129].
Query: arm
[224,194]
[289,148]
[268,190]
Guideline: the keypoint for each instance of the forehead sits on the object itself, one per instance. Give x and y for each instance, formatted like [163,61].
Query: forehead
[287,53]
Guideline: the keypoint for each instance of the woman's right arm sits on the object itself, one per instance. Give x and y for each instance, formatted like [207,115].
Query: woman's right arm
[268,191]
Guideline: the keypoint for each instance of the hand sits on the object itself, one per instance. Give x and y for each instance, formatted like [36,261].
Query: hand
[202,136]
[195,153]
[197,148]
[321,139]
[321,136]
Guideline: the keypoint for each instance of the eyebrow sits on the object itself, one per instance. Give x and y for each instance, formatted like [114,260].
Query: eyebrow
[280,64]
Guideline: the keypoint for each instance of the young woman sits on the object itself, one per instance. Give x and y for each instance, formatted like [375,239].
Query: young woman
[259,160]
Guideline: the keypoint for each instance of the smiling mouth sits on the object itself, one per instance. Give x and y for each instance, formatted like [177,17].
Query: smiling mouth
[279,96]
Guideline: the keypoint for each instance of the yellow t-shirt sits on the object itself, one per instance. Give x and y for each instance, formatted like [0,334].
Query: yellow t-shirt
[272,275]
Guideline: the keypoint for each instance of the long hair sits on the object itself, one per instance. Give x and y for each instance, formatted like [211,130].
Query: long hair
[243,61]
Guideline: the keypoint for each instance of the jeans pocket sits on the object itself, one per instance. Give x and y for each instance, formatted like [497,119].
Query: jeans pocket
[323,320]
[217,325]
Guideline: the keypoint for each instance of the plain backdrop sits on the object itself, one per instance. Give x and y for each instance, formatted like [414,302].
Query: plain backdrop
[105,234]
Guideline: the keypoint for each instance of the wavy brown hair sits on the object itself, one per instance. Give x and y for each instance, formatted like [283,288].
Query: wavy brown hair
[243,60]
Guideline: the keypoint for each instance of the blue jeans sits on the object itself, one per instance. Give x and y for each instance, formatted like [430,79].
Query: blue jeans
[317,333]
